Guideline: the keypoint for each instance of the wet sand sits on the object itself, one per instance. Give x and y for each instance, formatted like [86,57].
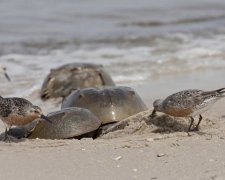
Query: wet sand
[145,149]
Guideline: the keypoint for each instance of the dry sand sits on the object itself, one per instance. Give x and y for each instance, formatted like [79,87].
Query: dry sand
[145,149]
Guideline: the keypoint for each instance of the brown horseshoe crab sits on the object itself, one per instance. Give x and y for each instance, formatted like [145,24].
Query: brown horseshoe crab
[62,80]
[109,104]
[67,123]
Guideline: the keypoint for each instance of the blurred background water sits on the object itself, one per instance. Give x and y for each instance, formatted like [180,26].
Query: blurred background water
[153,46]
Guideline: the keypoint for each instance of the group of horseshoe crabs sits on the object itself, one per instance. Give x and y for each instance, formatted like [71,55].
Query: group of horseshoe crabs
[91,103]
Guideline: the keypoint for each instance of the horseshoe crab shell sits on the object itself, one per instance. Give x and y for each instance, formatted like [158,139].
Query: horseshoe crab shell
[67,123]
[61,81]
[109,104]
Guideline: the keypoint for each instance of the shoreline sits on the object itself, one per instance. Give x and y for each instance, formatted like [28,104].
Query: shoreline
[141,154]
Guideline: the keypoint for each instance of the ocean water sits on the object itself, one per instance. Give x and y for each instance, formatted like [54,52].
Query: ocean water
[150,45]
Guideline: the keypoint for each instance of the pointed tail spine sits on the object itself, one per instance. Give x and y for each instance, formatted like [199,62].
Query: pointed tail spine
[221,91]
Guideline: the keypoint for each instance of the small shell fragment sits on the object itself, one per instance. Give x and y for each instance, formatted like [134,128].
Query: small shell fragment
[161,155]
[118,158]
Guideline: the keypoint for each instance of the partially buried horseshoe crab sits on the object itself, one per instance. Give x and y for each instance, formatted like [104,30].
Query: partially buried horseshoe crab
[109,104]
[67,123]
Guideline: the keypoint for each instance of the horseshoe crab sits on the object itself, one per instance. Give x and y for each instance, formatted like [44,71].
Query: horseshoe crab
[67,123]
[62,80]
[109,104]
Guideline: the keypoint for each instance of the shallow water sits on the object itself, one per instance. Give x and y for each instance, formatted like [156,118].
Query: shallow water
[151,46]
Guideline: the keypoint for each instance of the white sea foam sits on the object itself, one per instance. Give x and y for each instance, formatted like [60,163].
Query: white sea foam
[170,55]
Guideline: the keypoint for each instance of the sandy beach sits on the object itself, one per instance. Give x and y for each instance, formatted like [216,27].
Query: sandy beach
[155,47]
[159,149]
